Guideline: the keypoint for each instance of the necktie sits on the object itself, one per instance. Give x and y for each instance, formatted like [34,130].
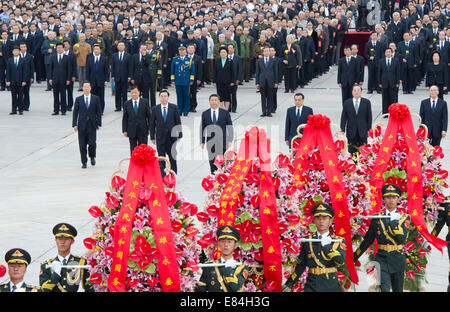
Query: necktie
[14,288]
[356,106]
[64,262]
[121,56]
[135,107]
[389,64]
[434,105]
[59,58]
[214,117]
[87,102]
[267,62]
[320,236]
[16,62]
[96,62]
[298,114]
[164,113]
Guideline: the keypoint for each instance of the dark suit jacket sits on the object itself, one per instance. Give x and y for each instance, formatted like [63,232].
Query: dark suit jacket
[294,55]
[140,71]
[291,124]
[223,126]
[223,74]
[131,121]
[73,68]
[237,67]
[121,70]
[161,131]
[436,120]
[97,76]
[437,74]
[16,75]
[360,62]
[388,78]
[352,123]
[29,64]
[377,53]
[60,72]
[348,75]
[87,119]
[197,62]
[271,72]
[411,53]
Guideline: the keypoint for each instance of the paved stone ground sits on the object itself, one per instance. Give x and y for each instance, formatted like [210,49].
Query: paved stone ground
[42,182]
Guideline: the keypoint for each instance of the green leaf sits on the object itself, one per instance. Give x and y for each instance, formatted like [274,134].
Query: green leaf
[151,268]
[312,227]
[258,244]
[246,246]
[318,198]
[245,216]
[402,174]
[386,175]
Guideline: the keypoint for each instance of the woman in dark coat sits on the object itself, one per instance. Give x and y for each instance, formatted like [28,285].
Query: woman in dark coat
[223,77]
[437,74]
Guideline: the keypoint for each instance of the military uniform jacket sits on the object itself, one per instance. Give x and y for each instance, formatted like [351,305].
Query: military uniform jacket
[28,288]
[222,279]
[315,256]
[182,72]
[155,62]
[52,282]
[443,218]
[258,48]
[391,234]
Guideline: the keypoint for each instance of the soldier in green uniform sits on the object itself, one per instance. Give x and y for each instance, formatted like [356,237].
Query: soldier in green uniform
[391,234]
[155,69]
[55,278]
[322,258]
[230,277]
[258,47]
[18,261]
[444,218]
[247,53]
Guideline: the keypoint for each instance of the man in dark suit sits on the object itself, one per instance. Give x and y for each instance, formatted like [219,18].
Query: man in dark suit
[15,38]
[237,74]
[165,130]
[292,62]
[4,56]
[360,62]
[73,69]
[163,48]
[16,78]
[373,52]
[296,116]
[279,64]
[121,74]
[59,79]
[409,54]
[97,73]
[136,119]
[388,79]
[216,130]
[348,74]
[266,81]
[197,62]
[356,120]
[29,64]
[434,114]
[140,73]
[86,120]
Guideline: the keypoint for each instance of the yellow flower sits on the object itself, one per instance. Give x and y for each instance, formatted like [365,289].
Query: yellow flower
[286,51]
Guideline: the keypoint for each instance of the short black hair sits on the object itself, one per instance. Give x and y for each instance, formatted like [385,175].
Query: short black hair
[133,86]
[214,95]
[164,91]
[299,94]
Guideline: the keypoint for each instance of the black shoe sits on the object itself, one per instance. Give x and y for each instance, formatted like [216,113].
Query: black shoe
[263,115]
[286,91]
[369,92]
[93,161]
[48,89]
[269,115]
[405,92]
[54,114]
[193,111]
[20,113]
[26,109]
[84,166]
[292,91]
[117,110]
[13,113]
[64,114]
[233,111]
[410,92]
[69,109]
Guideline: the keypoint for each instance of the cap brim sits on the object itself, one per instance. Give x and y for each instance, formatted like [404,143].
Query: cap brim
[64,235]
[324,214]
[391,194]
[227,236]
[18,261]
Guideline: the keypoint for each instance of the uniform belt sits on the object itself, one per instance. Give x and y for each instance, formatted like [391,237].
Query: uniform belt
[318,271]
[390,248]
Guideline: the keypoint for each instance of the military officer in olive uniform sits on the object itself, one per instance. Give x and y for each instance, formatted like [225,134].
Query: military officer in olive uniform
[182,75]
[18,261]
[55,278]
[227,278]
[155,69]
[322,258]
[391,234]
[444,218]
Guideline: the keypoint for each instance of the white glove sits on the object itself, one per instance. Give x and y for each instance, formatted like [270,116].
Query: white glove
[326,240]
[56,267]
[395,216]
[231,263]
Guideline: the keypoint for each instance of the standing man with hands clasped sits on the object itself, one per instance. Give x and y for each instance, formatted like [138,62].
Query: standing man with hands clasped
[86,120]
[434,114]
[266,81]
[136,119]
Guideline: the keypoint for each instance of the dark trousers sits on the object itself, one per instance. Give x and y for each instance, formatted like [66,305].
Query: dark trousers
[245,69]
[266,98]
[394,280]
[59,98]
[26,96]
[47,75]
[290,78]
[166,74]
[301,77]
[70,95]
[389,96]
[137,140]
[275,101]
[152,92]
[208,71]
[145,90]
[233,103]
[212,156]
[435,141]
[121,93]
[308,71]
[409,79]
[3,78]
[17,98]
[87,138]
[193,96]
[346,93]
[100,92]
[167,149]
[372,83]
[355,142]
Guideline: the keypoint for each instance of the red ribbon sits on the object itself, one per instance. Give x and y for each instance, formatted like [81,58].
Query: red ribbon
[144,167]
[256,144]
[400,121]
[317,133]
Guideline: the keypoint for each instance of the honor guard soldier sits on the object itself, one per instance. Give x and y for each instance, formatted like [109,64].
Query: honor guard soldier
[444,218]
[18,261]
[182,75]
[390,234]
[53,277]
[227,278]
[155,69]
[322,258]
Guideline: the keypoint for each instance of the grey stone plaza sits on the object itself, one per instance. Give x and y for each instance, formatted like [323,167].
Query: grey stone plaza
[42,182]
